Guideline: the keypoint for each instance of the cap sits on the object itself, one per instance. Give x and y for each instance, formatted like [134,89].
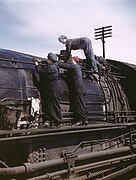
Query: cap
[62,38]
[52,57]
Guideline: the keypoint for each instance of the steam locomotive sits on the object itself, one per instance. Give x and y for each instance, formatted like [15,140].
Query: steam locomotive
[110,97]
[45,153]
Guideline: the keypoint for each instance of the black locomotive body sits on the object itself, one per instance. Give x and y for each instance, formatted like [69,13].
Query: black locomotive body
[69,152]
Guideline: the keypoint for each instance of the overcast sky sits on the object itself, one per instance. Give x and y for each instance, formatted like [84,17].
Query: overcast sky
[33,26]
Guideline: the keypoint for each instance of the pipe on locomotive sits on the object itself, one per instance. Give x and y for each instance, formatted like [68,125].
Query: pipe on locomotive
[91,166]
[27,168]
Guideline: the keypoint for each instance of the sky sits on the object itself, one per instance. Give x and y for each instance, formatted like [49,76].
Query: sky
[33,26]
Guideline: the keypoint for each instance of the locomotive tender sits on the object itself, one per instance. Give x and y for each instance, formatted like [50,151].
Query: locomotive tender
[30,152]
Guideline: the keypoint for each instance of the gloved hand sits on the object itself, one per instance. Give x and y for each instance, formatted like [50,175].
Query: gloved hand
[36,63]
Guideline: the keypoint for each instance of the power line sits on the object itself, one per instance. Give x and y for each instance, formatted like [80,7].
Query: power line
[102,33]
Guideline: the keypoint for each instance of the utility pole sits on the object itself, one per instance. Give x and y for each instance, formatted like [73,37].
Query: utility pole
[102,33]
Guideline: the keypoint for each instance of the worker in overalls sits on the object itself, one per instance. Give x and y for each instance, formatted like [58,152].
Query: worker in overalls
[77,92]
[51,90]
[82,43]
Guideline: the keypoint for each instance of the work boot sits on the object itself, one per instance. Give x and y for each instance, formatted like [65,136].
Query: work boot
[58,124]
[85,123]
[79,123]
[46,125]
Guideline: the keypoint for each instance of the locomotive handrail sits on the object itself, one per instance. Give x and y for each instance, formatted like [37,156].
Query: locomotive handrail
[23,134]
[90,103]
[106,109]
[25,101]
[102,141]
[34,59]
[117,75]
[17,61]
